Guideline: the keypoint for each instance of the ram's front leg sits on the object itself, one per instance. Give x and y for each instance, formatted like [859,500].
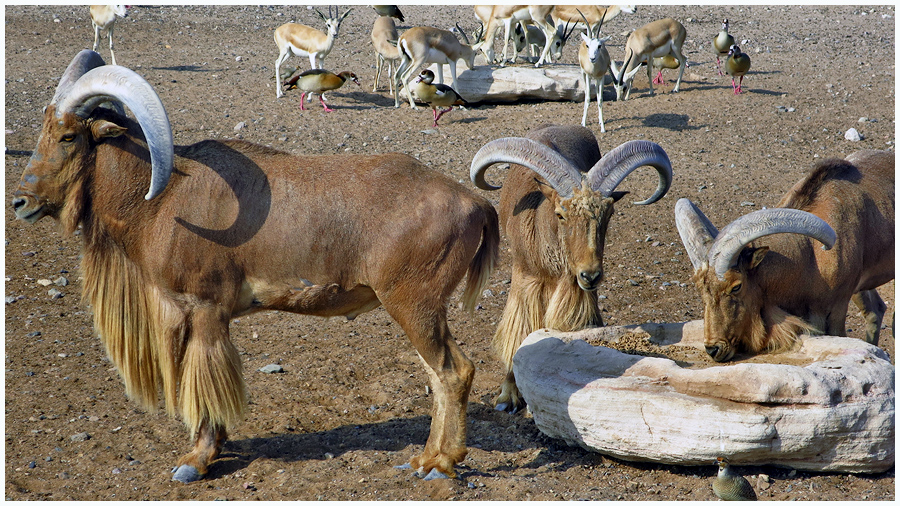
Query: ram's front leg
[212,394]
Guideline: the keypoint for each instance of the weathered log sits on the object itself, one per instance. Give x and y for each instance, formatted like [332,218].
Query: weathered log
[828,405]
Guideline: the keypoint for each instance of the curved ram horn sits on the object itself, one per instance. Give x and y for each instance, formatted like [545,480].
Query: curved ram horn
[126,86]
[615,166]
[748,228]
[696,231]
[84,61]
[545,161]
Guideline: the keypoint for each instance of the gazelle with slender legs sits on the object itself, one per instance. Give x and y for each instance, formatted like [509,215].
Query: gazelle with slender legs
[506,15]
[594,61]
[657,38]
[384,38]
[103,19]
[587,17]
[303,40]
[424,44]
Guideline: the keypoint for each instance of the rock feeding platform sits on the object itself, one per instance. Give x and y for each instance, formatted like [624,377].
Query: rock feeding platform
[827,405]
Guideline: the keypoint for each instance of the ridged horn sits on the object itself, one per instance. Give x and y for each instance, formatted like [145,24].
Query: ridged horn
[125,85]
[696,231]
[84,61]
[610,170]
[750,227]
[543,160]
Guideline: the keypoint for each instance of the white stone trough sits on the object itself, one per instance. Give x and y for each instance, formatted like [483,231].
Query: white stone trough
[828,405]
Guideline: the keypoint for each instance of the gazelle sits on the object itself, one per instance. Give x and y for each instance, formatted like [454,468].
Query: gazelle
[530,37]
[424,44]
[384,38]
[103,19]
[590,15]
[509,14]
[303,40]
[658,38]
[594,61]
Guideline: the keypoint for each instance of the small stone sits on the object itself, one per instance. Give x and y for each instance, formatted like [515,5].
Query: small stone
[329,456]
[487,293]
[271,368]
[55,294]
[240,126]
[852,135]
[747,204]
[80,437]
[863,120]
[10,299]
[44,282]
[61,281]
[116,470]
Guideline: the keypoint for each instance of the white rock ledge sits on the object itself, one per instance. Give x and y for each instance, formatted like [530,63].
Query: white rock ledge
[520,82]
[835,413]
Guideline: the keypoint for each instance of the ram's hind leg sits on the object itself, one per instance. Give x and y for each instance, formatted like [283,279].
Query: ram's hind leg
[451,374]
[873,309]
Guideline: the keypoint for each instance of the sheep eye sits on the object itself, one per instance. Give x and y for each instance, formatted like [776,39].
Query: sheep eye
[561,217]
[735,289]
[67,138]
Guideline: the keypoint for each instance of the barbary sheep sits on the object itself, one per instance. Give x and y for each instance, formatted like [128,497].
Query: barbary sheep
[555,208]
[761,290]
[230,228]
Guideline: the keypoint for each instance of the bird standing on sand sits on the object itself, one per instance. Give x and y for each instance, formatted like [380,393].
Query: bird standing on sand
[721,44]
[436,95]
[319,81]
[663,62]
[389,10]
[729,485]
[737,64]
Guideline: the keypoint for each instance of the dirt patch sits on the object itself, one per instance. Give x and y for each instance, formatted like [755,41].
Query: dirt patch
[352,402]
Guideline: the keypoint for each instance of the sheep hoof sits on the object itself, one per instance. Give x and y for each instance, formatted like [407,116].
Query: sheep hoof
[186,474]
[435,475]
[502,406]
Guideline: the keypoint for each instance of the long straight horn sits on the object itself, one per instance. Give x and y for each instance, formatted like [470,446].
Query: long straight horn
[586,24]
[462,34]
[621,161]
[746,229]
[625,66]
[602,18]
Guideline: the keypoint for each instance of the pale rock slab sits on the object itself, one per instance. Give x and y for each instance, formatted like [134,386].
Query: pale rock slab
[835,413]
[561,82]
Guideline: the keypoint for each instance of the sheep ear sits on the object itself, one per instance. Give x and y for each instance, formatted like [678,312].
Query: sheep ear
[757,256]
[549,192]
[103,128]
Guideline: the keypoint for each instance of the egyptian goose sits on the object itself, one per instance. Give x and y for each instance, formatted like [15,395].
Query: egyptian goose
[436,95]
[721,44]
[737,65]
[319,81]
[730,486]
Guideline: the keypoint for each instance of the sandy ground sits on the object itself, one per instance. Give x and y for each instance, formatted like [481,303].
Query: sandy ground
[352,402]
